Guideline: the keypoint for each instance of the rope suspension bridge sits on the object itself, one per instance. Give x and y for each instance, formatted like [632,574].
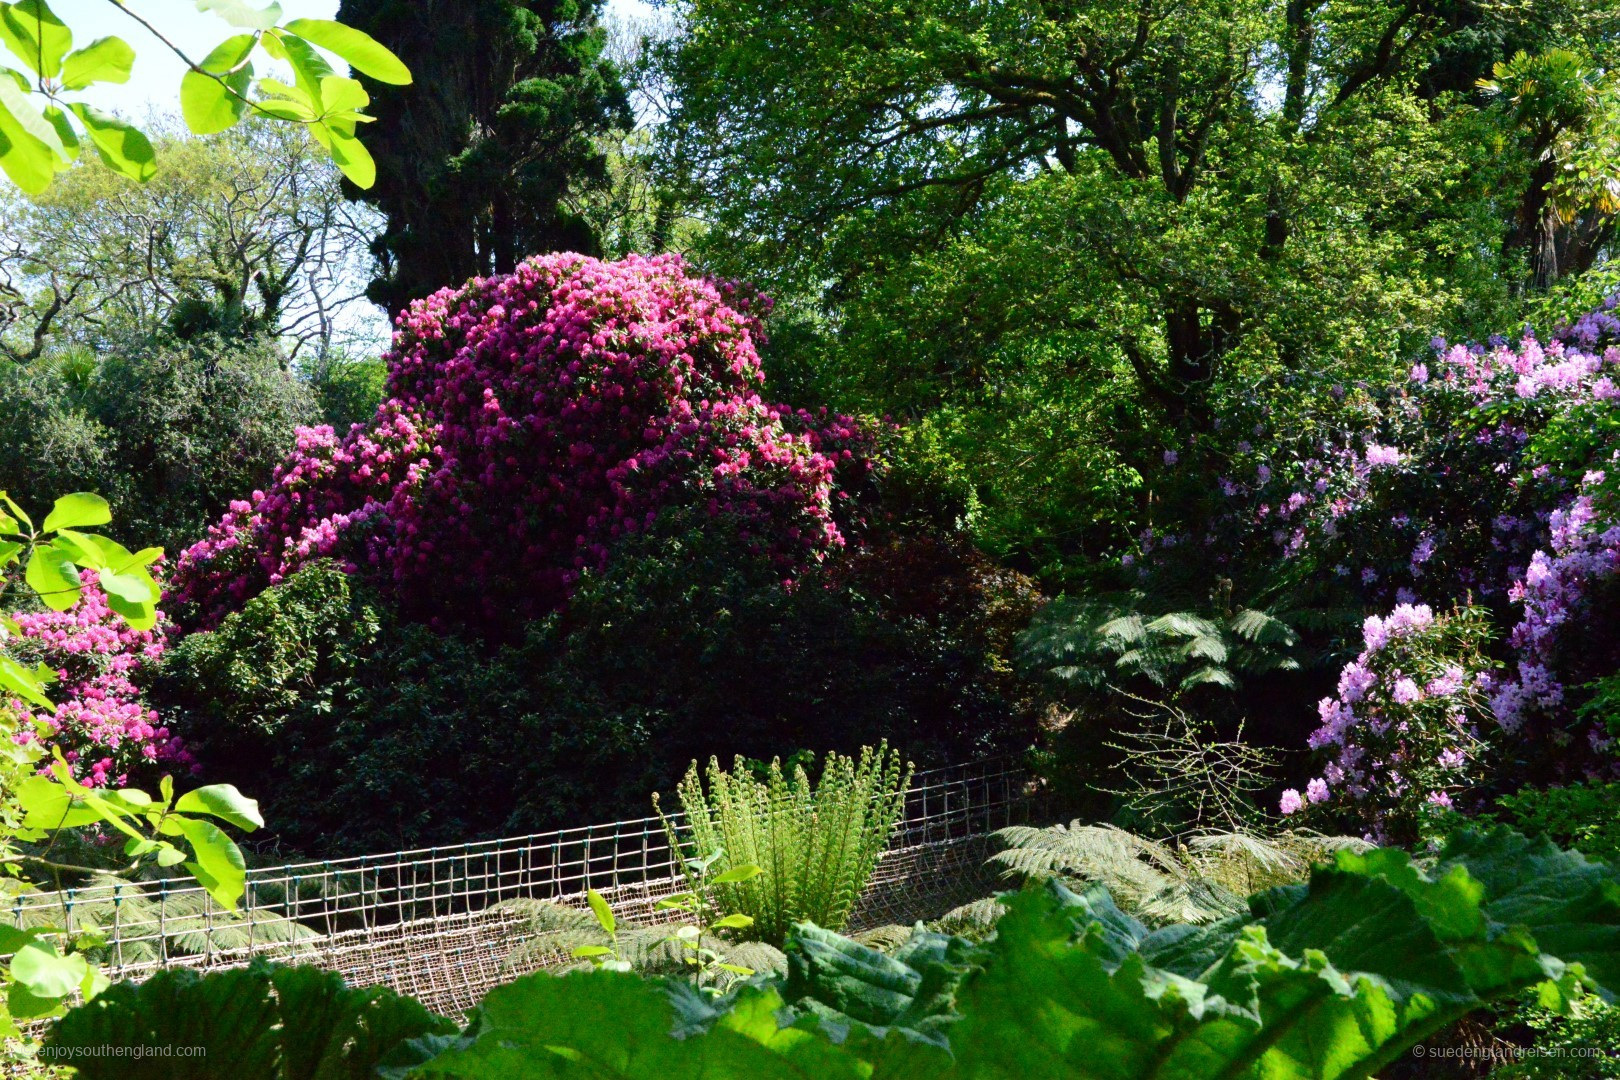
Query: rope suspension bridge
[436,924]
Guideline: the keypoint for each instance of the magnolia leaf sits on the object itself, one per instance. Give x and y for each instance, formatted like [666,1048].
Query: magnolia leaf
[604,913]
[215,98]
[341,95]
[224,802]
[27,684]
[124,148]
[105,60]
[77,510]
[363,53]
[218,867]
[34,33]
[238,13]
[31,151]
[348,154]
[52,574]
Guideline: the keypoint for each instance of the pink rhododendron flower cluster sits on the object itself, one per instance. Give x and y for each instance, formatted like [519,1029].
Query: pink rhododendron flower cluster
[100,723]
[1409,719]
[533,421]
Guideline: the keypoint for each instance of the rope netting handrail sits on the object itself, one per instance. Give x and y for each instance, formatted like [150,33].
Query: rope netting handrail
[432,921]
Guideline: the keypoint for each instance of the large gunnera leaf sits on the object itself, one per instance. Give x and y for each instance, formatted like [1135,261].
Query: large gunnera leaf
[258,1023]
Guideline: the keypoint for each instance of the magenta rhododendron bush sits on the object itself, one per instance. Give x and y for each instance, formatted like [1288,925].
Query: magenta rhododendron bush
[101,725]
[532,421]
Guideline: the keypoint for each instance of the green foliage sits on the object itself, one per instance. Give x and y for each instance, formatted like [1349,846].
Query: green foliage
[1335,978]
[1198,880]
[215,92]
[1581,815]
[1095,642]
[488,181]
[684,648]
[170,432]
[260,1023]
[242,234]
[1583,1044]
[40,798]
[912,987]
[554,936]
[816,845]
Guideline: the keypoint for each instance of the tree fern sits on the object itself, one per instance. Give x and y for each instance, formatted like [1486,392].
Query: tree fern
[150,925]
[817,846]
[1199,880]
[551,932]
[1095,641]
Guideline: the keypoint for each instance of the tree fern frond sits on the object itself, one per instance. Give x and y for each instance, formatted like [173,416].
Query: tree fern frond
[974,921]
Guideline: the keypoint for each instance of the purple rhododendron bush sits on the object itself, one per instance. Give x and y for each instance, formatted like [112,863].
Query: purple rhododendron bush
[1463,531]
[533,421]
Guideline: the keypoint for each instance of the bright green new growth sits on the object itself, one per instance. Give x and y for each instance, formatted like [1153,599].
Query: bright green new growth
[816,846]
[1332,980]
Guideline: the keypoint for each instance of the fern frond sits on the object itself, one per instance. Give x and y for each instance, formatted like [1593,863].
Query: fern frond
[974,921]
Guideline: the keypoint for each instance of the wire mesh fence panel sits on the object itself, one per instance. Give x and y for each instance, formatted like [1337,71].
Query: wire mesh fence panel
[439,923]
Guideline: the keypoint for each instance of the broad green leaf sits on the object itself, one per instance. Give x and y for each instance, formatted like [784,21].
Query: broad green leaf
[224,802]
[9,549]
[128,588]
[732,922]
[604,913]
[842,980]
[261,1023]
[31,151]
[737,873]
[123,147]
[11,505]
[360,50]
[39,39]
[47,973]
[309,67]
[585,952]
[209,104]
[64,131]
[28,684]
[238,13]
[76,511]
[105,60]
[218,864]
[53,576]
[13,938]
[342,95]
[351,158]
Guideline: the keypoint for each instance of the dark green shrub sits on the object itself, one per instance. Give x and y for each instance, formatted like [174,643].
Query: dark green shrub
[168,432]
[396,734]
